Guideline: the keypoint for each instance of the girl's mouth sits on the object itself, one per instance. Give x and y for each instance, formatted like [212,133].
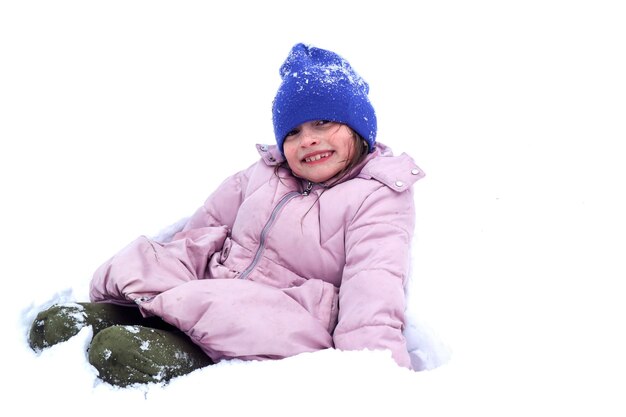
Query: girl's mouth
[317,157]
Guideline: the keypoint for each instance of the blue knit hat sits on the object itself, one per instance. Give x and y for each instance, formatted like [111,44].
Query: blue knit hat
[320,85]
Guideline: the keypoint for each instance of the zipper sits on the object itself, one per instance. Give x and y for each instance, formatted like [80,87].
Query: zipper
[268,225]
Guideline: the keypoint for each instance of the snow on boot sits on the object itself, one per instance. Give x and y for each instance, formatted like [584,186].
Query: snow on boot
[62,321]
[127,355]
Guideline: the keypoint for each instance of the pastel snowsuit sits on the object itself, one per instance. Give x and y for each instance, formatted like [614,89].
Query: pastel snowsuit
[272,265]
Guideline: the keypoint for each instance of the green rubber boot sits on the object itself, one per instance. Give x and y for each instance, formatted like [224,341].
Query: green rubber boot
[62,321]
[126,355]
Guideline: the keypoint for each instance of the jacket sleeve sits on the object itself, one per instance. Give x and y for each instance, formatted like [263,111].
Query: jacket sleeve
[146,268]
[221,207]
[371,296]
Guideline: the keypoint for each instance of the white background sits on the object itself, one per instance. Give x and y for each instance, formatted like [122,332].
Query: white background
[118,118]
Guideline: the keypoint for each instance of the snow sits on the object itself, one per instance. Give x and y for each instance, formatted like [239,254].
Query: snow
[118,118]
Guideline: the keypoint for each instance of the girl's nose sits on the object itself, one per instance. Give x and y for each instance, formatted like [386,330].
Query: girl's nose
[309,138]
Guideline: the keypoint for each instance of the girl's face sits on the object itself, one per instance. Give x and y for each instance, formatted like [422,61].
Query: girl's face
[318,150]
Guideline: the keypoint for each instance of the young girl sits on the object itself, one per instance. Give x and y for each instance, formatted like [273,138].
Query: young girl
[307,249]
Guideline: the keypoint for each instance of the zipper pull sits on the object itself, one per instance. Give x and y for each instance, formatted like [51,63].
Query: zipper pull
[309,187]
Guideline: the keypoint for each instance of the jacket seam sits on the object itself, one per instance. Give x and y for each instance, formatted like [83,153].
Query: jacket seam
[378,269]
[362,326]
[358,211]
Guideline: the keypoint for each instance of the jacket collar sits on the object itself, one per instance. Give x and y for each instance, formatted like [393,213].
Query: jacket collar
[270,154]
[396,172]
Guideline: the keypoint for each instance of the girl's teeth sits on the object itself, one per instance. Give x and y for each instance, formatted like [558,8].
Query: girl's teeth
[316,157]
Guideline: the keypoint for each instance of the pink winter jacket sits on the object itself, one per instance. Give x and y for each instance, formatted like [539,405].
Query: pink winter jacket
[272,266]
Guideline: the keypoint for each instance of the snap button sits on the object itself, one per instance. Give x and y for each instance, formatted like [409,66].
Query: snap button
[399,183]
[415,171]
[225,250]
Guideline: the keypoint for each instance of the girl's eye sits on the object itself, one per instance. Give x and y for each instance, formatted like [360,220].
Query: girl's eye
[323,122]
[292,132]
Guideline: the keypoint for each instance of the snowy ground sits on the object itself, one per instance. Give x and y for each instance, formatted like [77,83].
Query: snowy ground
[118,118]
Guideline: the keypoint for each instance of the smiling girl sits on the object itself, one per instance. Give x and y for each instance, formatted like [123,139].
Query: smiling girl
[307,249]
[320,149]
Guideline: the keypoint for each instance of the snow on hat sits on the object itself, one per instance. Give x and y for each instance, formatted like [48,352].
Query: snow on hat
[321,85]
